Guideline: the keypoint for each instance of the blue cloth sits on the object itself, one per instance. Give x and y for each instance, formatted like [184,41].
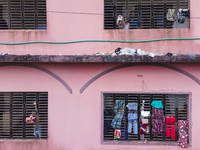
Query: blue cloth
[132,122]
[135,23]
[37,130]
[118,105]
[132,106]
[157,104]
[119,113]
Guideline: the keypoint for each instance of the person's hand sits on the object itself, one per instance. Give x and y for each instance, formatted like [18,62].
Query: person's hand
[34,102]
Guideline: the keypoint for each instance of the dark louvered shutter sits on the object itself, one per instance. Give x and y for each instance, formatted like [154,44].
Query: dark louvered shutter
[16,15]
[30,11]
[43,113]
[18,117]
[41,14]
[4,14]
[175,105]
[23,14]
[109,14]
[152,13]
[108,116]
[5,108]
[15,107]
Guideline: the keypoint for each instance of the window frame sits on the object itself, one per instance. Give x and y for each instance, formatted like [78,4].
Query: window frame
[134,142]
[19,105]
[24,14]
[152,17]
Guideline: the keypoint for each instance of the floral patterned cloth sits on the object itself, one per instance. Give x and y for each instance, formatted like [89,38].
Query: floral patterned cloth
[157,120]
[183,133]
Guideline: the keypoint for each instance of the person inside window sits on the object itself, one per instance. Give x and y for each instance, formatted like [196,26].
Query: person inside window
[134,21]
[36,126]
[126,23]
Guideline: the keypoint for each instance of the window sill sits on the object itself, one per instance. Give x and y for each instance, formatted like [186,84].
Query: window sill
[140,143]
[22,140]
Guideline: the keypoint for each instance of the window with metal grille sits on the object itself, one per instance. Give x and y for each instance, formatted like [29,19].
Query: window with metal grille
[153,14]
[174,105]
[15,107]
[23,14]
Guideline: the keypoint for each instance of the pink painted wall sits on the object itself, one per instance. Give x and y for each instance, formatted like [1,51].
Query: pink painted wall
[81,129]
[74,120]
[66,23]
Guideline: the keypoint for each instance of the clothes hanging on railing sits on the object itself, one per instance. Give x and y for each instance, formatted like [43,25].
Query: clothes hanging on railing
[183,133]
[132,117]
[119,113]
[157,118]
[170,122]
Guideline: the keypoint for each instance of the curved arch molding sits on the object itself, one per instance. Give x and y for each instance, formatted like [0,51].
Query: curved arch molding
[44,70]
[139,64]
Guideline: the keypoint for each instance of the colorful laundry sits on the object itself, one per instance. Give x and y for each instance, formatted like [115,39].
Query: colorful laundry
[170,121]
[145,127]
[117,133]
[132,106]
[157,120]
[183,133]
[132,123]
[119,113]
[157,104]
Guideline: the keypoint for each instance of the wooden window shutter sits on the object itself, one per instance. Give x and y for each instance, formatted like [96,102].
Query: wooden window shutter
[43,113]
[29,14]
[23,14]
[5,116]
[174,105]
[109,14]
[16,14]
[41,14]
[15,107]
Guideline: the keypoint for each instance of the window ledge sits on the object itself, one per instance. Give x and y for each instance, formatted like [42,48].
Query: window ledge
[98,58]
[22,140]
[140,143]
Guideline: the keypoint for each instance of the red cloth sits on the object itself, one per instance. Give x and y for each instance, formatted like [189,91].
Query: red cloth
[173,133]
[117,133]
[29,120]
[171,121]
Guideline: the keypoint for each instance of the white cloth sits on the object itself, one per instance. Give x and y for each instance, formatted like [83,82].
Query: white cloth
[171,15]
[145,113]
[126,26]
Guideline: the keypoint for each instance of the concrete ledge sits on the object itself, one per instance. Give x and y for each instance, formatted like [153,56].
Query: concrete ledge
[96,59]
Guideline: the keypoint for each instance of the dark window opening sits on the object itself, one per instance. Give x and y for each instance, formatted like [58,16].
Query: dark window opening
[15,107]
[23,14]
[148,14]
[174,106]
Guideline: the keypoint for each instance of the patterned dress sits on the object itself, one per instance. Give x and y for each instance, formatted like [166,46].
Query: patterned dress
[157,120]
[183,133]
